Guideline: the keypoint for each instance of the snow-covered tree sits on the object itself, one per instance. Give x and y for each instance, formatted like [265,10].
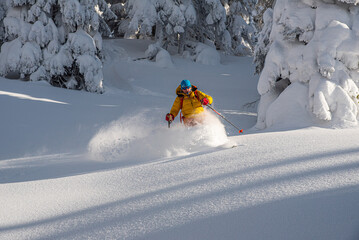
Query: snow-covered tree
[143,17]
[222,24]
[3,8]
[262,47]
[312,66]
[119,25]
[241,27]
[211,23]
[105,15]
[259,10]
[165,20]
[55,40]
[175,18]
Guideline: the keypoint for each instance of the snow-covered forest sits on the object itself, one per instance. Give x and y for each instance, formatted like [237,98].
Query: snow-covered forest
[308,46]
[56,41]
[61,41]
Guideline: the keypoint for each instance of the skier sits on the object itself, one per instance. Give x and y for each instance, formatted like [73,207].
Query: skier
[190,101]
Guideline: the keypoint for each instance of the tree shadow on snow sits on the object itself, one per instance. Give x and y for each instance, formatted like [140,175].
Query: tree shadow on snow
[311,216]
[232,211]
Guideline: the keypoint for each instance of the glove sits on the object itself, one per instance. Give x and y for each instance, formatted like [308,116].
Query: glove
[169,117]
[205,101]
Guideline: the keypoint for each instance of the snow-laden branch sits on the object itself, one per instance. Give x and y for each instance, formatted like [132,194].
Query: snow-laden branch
[313,44]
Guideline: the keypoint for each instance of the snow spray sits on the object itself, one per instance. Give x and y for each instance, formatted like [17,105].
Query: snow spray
[142,137]
[214,110]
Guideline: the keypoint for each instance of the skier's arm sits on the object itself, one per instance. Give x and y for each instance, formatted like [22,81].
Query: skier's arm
[203,95]
[176,107]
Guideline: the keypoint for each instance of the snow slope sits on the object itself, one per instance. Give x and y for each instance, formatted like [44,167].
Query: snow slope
[76,165]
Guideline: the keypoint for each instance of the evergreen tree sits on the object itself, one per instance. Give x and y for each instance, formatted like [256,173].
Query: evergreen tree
[3,9]
[118,25]
[142,16]
[260,8]
[167,21]
[225,24]
[106,15]
[263,44]
[241,27]
[175,18]
[312,50]
[211,23]
[55,40]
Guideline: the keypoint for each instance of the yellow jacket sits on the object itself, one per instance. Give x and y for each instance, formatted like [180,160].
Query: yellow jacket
[191,105]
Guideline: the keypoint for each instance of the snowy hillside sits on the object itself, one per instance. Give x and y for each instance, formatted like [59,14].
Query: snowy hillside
[78,165]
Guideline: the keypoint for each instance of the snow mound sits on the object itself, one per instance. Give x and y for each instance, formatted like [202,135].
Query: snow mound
[289,109]
[137,138]
[207,55]
[163,59]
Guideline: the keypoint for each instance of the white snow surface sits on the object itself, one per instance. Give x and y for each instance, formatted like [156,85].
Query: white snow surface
[79,165]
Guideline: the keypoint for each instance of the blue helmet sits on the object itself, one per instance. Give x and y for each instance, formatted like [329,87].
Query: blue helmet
[185,84]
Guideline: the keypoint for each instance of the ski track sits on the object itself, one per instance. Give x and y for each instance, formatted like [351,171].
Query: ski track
[180,197]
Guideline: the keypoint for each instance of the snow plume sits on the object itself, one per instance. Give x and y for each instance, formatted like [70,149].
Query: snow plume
[314,43]
[140,138]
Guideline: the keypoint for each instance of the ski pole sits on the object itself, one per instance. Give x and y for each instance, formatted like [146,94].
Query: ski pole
[239,130]
[169,124]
